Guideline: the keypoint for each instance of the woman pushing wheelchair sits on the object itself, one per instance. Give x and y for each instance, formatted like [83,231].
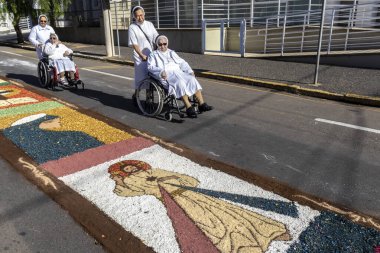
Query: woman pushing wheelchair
[176,76]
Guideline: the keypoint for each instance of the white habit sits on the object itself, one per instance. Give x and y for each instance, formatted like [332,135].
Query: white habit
[55,53]
[39,35]
[179,79]
[137,37]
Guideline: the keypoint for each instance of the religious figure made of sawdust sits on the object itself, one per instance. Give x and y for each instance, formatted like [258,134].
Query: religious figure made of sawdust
[199,220]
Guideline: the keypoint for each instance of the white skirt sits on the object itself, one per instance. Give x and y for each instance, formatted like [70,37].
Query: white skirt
[63,65]
[180,83]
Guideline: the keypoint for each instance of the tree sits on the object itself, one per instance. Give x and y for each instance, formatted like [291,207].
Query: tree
[23,8]
[54,9]
[16,9]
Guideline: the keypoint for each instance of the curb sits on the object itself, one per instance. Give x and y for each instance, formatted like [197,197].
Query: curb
[290,88]
[296,89]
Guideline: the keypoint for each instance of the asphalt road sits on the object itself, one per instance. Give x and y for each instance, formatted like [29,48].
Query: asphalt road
[31,222]
[300,141]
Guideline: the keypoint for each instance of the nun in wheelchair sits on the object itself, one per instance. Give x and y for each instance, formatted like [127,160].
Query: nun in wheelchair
[176,76]
[59,54]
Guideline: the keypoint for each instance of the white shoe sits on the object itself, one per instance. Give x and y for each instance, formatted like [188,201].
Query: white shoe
[63,81]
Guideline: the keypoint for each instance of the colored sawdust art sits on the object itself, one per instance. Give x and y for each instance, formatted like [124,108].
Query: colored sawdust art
[35,135]
[11,96]
[201,222]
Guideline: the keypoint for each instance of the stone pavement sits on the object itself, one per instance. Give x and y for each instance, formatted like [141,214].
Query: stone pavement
[353,85]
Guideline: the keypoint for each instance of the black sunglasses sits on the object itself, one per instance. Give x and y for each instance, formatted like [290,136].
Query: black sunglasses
[53,38]
[162,44]
[43,21]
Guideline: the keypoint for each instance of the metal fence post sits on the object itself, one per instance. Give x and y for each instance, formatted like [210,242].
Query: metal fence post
[320,41]
[204,26]
[117,29]
[228,13]
[251,11]
[348,29]
[266,36]
[283,36]
[331,30]
[202,10]
[178,14]
[309,11]
[243,30]
[222,36]
[278,13]
[157,15]
[303,32]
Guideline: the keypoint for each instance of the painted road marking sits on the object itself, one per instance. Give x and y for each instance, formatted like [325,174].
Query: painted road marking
[108,74]
[348,125]
[103,67]
[11,53]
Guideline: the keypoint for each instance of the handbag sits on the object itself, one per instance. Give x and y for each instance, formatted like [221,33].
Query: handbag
[154,46]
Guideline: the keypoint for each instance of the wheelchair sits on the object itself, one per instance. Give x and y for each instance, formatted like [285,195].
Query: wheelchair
[48,75]
[152,97]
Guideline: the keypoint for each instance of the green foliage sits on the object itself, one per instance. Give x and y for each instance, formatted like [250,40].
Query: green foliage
[16,8]
[23,8]
[54,8]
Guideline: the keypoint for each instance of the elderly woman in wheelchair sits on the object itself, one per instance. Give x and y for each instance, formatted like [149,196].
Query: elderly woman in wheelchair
[56,66]
[176,77]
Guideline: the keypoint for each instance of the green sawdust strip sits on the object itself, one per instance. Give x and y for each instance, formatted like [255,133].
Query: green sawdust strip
[29,108]
[4,83]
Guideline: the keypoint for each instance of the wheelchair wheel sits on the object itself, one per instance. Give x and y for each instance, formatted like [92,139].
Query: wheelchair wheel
[149,98]
[43,74]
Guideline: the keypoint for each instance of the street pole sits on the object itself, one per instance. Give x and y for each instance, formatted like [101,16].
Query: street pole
[107,28]
[320,41]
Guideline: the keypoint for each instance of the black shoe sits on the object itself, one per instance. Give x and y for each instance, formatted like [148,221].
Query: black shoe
[205,107]
[191,113]
[134,100]
[73,82]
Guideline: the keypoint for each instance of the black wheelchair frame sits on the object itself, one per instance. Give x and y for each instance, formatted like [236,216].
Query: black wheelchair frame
[152,97]
[48,75]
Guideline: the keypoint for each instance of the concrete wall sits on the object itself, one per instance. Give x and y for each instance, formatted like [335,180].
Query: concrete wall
[185,40]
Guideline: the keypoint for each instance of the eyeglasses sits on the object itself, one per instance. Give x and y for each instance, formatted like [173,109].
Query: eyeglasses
[43,21]
[53,38]
[162,44]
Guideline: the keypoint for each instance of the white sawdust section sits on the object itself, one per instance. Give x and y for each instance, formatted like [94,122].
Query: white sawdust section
[146,217]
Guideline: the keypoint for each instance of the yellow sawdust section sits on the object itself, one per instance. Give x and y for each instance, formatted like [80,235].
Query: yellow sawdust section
[71,120]
[231,228]
[12,91]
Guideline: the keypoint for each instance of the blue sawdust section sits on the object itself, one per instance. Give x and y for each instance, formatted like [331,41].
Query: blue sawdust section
[280,207]
[44,145]
[330,232]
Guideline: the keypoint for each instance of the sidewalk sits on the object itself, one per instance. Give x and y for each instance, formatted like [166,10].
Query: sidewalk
[353,85]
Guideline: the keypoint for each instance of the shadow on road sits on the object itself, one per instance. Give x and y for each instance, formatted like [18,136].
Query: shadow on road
[115,101]
[29,79]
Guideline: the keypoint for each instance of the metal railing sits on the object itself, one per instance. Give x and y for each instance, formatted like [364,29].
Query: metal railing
[189,14]
[7,26]
[345,28]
